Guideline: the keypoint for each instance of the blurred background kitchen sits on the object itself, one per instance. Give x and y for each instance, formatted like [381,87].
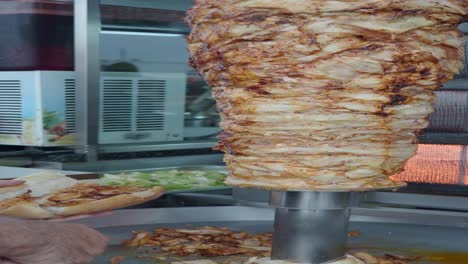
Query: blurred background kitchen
[108,88]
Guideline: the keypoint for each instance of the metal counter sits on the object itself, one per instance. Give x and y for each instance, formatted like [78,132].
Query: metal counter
[14,172]
[393,231]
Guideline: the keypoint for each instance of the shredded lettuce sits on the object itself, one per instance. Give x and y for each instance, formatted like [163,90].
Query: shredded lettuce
[171,180]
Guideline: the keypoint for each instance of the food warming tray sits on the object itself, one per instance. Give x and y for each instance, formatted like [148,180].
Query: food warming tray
[381,231]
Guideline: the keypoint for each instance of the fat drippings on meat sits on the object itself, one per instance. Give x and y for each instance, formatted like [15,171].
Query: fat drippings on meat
[319,94]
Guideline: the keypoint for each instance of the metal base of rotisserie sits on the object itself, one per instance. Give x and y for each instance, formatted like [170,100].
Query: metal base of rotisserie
[310,227]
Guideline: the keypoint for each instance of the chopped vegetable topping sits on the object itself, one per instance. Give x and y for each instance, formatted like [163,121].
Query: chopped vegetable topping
[170,180]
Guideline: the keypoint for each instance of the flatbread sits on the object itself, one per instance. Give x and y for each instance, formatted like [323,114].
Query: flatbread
[50,195]
[43,183]
[94,205]
[11,192]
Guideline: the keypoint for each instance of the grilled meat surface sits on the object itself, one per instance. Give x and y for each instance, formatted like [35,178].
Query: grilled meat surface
[321,94]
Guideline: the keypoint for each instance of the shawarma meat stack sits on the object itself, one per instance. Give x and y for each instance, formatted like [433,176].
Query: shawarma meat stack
[320,94]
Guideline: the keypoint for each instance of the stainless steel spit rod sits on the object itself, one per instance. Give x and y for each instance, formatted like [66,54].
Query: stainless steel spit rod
[310,227]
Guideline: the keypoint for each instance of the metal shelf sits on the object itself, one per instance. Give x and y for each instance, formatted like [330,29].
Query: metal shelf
[456,84]
[122,148]
[463,27]
[444,138]
[179,5]
[144,163]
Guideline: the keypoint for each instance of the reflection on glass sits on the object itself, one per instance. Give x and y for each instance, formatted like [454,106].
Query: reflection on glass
[36,35]
[134,42]
[153,41]
[141,19]
[163,53]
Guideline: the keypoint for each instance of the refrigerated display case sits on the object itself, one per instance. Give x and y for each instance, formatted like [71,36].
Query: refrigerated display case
[167,98]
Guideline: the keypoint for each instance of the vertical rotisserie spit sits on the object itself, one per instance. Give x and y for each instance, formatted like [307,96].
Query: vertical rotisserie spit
[323,95]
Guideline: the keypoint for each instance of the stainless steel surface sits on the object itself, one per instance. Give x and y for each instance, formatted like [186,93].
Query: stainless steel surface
[382,231]
[375,238]
[145,29]
[456,84]
[310,200]
[14,172]
[16,162]
[180,5]
[222,214]
[310,227]
[201,121]
[310,236]
[415,217]
[119,148]
[251,196]
[129,217]
[32,151]
[144,163]
[190,196]
[211,194]
[464,27]
[416,200]
[87,27]
[261,198]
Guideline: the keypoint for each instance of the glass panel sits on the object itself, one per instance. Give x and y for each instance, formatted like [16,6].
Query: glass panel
[36,35]
[146,40]
[461,80]
[140,19]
